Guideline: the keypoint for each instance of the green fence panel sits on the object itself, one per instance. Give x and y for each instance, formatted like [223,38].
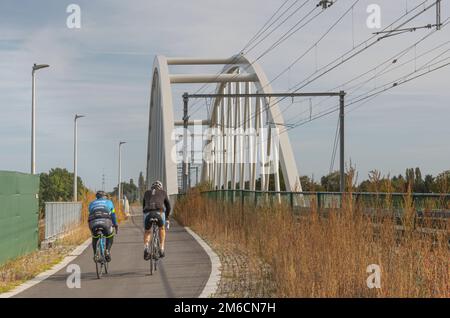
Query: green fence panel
[299,202]
[19,209]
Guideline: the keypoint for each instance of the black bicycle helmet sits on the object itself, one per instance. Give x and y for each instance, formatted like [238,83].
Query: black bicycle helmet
[100,194]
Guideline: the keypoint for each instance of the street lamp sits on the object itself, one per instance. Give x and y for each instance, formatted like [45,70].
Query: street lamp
[119,189]
[75,142]
[33,115]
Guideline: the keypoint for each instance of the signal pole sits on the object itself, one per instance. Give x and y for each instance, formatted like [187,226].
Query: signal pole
[438,14]
[342,140]
[185,171]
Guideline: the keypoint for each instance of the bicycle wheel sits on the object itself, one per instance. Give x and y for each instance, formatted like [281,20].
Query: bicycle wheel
[151,255]
[98,257]
[105,266]
[104,263]
[156,246]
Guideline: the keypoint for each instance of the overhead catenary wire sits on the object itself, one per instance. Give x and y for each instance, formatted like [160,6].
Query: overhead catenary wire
[297,27]
[386,88]
[388,64]
[314,46]
[367,46]
[369,96]
[397,82]
[343,59]
[250,64]
[363,47]
[263,28]
[400,81]
[279,25]
[242,51]
[365,99]
[261,55]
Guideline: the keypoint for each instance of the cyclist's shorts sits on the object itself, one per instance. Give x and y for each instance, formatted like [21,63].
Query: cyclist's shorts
[161,216]
[103,225]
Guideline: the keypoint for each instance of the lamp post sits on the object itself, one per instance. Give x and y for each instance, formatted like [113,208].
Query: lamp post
[119,189]
[33,115]
[75,142]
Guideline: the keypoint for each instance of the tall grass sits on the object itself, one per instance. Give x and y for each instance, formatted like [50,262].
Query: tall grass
[314,256]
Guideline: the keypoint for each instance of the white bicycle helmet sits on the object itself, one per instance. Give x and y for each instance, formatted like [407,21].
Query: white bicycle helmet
[157,185]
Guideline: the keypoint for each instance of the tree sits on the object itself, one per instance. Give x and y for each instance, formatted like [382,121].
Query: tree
[412,181]
[419,185]
[130,190]
[428,184]
[57,186]
[141,185]
[309,185]
[377,183]
[331,182]
[442,182]
[365,186]
[399,184]
[410,177]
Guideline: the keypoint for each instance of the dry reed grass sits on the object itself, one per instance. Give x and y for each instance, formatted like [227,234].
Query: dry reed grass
[315,256]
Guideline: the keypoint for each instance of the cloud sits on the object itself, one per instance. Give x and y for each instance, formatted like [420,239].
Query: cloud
[103,70]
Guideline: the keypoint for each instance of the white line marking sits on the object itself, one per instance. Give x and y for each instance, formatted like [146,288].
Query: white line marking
[44,275]
[213,282]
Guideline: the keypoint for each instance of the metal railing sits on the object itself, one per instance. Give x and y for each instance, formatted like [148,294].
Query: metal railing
[60,217]
[429,204]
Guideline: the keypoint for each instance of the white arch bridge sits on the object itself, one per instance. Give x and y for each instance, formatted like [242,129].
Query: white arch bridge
[238,145]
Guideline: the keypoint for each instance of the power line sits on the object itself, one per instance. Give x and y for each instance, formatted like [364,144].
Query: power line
[262,29]
[254,38]
[364,46]
[400,81]
[428,64]
[390,62]
[279,41]
[342,58]
[259,57]
[314,45]
[396,84]
[279,25]
[294,29]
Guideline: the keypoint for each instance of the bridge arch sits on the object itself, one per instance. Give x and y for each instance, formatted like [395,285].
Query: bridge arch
[238,76]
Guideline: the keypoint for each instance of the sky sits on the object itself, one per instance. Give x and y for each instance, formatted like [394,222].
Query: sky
[103,70]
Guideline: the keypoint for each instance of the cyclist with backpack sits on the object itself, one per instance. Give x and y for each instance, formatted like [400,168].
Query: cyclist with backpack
[156,205]
[102,216]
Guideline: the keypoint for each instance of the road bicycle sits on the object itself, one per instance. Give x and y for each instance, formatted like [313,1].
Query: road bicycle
[155,246]
[101,265]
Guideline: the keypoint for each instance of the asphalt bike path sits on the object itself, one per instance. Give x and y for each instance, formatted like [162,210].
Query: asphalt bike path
[183,272]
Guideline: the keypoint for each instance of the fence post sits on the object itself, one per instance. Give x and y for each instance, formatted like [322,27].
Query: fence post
[291,199]
[415,210]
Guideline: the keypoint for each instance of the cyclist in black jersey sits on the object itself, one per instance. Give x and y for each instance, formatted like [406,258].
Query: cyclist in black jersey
[156,204]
